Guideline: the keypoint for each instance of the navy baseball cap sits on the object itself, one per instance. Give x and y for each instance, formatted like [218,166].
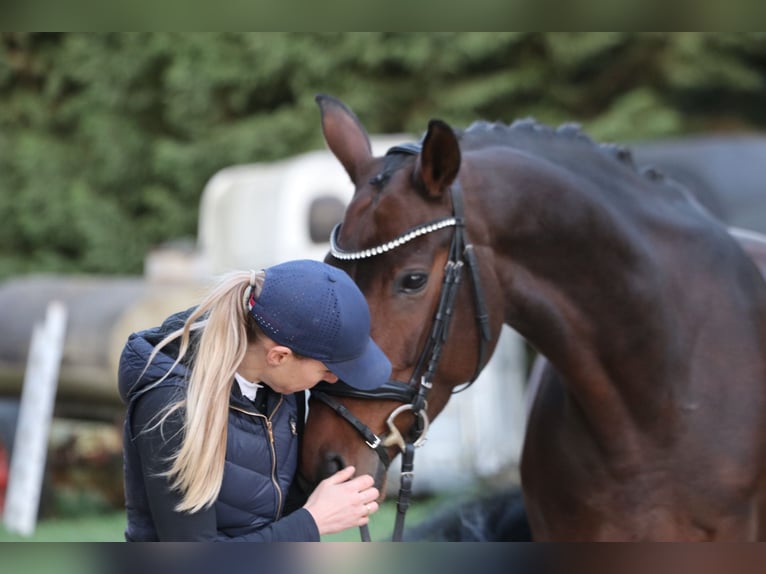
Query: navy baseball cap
[316,310]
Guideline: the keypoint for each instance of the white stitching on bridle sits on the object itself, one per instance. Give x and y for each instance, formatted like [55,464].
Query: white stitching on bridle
[405,237]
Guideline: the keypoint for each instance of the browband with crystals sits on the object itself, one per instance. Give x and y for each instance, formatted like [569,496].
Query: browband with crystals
[405,237]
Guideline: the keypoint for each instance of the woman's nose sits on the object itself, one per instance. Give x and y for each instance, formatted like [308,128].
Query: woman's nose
[330,378]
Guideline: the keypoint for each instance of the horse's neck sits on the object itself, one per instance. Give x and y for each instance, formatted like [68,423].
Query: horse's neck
[574,270]
[583,286]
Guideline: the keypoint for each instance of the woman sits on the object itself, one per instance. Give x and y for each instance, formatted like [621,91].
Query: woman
[215,408]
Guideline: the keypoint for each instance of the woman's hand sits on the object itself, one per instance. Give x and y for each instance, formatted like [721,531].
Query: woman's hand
[340,502]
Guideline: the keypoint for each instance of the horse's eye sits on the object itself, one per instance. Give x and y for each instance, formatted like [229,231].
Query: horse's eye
[413,282]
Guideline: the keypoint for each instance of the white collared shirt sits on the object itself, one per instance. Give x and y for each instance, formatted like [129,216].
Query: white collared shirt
[248,388]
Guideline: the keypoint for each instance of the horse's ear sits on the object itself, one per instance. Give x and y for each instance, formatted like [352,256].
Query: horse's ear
[345,135]
[439,161]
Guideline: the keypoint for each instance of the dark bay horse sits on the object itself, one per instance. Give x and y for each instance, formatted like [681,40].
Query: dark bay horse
[650,419]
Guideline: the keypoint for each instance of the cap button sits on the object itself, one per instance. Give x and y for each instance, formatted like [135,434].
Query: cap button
[331,278]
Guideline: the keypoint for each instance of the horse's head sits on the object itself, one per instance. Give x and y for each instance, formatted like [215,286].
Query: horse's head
[396,238]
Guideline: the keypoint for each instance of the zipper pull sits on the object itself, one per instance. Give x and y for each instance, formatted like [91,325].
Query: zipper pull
[270,430]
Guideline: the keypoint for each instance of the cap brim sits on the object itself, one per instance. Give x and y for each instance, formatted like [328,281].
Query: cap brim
[368,371]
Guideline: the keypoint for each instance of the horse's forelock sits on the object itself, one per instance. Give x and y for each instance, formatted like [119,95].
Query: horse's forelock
[391,164]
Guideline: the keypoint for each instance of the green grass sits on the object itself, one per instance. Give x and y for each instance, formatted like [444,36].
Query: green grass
[110,527]
[382,522]
[93,528]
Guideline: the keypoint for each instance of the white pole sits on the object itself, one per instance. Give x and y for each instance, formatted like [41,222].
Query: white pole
[35,413]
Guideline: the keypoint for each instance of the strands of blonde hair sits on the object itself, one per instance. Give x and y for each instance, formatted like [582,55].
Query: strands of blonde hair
[197,467]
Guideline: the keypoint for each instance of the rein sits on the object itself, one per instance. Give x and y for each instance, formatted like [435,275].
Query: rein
[414,393]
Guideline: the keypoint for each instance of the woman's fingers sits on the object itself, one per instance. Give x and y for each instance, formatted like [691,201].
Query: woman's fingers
[341,476]
[360,484]
[342,501]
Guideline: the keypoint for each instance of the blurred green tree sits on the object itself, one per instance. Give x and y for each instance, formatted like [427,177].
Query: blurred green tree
[107,140]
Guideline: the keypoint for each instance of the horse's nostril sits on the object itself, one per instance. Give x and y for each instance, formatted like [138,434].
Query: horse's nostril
[331,464]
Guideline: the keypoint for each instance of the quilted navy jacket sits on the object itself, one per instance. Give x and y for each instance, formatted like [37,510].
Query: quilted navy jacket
[255,500]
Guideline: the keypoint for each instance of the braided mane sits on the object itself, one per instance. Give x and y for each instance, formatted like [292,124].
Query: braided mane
[562,144]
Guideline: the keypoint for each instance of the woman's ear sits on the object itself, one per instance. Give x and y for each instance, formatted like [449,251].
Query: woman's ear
[277,355]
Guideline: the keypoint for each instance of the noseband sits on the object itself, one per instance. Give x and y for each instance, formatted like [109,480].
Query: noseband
[413,394]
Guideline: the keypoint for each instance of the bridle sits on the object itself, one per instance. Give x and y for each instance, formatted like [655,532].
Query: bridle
[413,394]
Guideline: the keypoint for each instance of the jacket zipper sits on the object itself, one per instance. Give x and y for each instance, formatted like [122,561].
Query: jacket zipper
[270,432]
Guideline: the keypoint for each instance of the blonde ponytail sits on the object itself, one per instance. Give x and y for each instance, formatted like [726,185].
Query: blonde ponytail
[226,329]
